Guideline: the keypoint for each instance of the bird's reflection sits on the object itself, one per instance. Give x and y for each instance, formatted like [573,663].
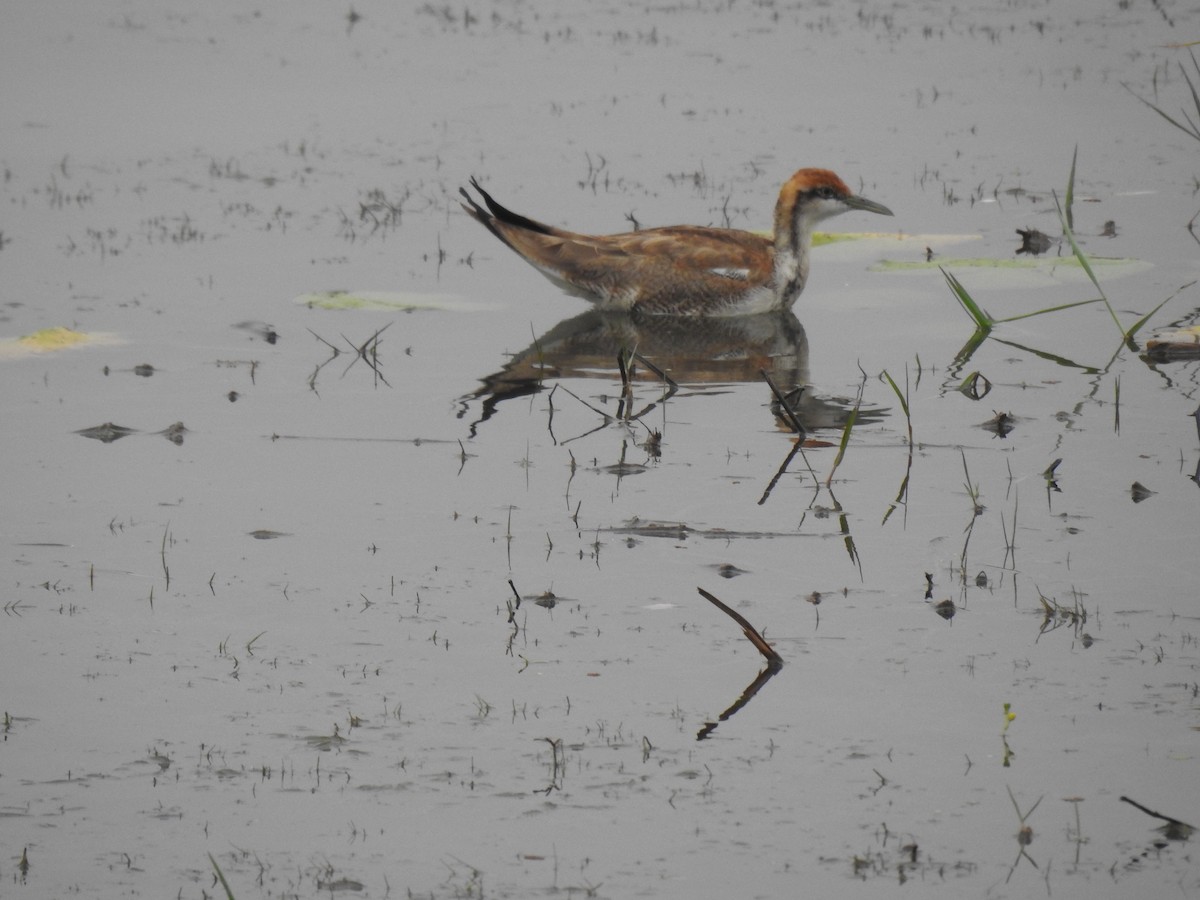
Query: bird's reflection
[688,350]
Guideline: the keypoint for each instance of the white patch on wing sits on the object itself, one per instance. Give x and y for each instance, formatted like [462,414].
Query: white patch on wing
[621,300]
[735,274]
[758,300]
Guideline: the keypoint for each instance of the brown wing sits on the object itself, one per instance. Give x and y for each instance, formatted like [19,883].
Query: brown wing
[674,268]
[657,266]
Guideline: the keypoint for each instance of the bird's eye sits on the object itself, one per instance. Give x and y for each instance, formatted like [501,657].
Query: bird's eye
[825,193]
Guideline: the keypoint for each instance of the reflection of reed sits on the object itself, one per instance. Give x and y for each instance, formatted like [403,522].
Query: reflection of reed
[689,350]
[747,695]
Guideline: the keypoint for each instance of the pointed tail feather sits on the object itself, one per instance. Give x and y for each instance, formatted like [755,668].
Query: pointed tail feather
[499,213]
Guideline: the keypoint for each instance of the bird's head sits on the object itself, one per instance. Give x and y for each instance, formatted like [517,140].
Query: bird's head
[813,195]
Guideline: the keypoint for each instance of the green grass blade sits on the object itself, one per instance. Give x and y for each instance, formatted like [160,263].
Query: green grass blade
[221,878]
[1084,264]
[1137,326]
[1191,132]
[983,320]
[1049,309]
[1191,87]
[1070,198]
[963,356]
[845,441]
[896,390]
[849,427]
[1052,357]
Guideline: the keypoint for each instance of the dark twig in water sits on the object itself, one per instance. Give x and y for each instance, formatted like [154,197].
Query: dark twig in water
[336,350]
[512,608]
[659,372]
[773,658]
[787,461]
[626,367]
[368,352]
[1174,829]
[163,555]
[1024,833]
[607,418]
[783,405]
[760,680]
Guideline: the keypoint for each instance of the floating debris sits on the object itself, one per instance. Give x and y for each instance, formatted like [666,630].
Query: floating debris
[946,609]
[1177,343]
[679,531]
[261,330]
[729,570]
[622,468]
[174,433]
[1002,424]
[1034,242]
[1140,492]
[106,433]
[265,534]
[653,444]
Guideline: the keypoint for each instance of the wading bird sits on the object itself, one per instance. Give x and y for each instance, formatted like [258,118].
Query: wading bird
[682,270]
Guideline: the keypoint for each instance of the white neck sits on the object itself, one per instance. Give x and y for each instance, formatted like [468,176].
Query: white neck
[791,267]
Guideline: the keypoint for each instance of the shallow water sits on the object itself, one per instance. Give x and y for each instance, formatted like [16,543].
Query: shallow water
[285,640]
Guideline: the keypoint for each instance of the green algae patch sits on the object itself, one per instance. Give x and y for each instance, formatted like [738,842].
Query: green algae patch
[893,265]
[1019,271]
[386,301]
[821,238]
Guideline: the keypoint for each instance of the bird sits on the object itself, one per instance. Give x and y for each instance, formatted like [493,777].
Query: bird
[682,270]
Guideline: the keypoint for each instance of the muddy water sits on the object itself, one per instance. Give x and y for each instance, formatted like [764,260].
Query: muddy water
[286,635]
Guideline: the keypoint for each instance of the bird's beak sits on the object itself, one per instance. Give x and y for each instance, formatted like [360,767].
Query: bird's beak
[856,202]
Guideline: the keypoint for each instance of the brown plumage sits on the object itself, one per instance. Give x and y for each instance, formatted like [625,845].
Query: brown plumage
[682,269]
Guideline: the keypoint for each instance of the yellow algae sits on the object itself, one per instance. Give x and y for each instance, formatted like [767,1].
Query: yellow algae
[55,338]
[48,340]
